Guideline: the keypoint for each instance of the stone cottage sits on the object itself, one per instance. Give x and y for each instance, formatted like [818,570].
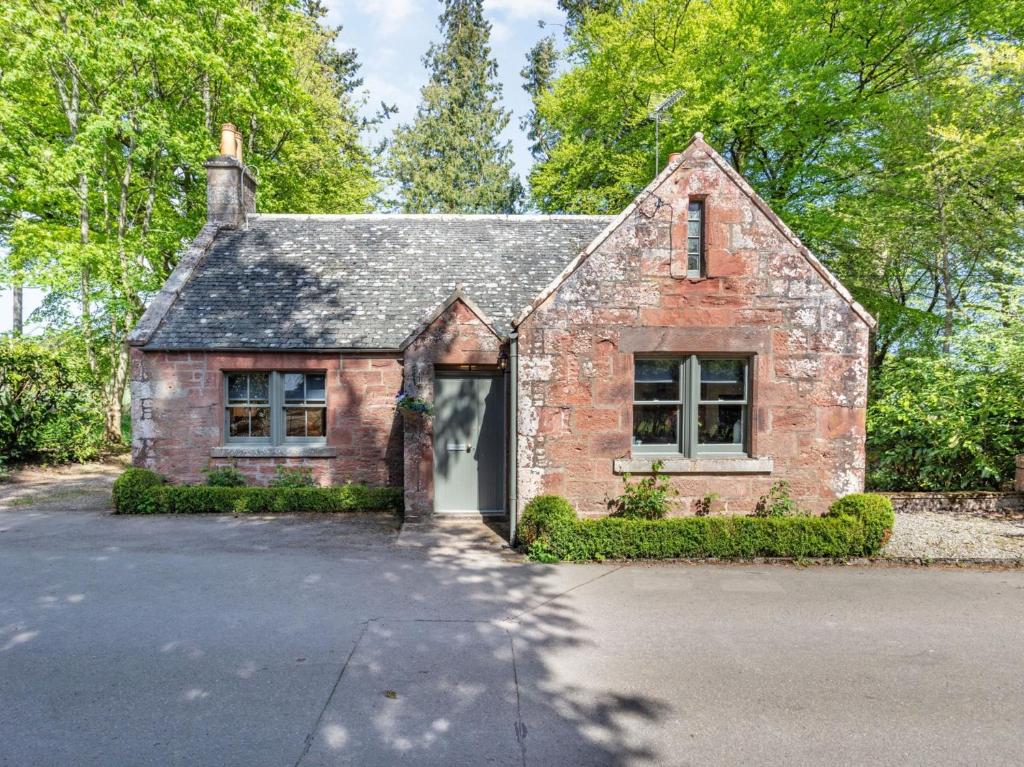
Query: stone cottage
[557,352]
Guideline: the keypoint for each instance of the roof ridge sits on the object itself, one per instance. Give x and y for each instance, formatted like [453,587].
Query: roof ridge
[431,216]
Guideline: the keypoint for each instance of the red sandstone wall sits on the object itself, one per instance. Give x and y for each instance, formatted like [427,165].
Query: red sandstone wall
[177,414]
[761,297]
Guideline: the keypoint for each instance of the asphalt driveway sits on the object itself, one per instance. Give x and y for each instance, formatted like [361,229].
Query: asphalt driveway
[328,641]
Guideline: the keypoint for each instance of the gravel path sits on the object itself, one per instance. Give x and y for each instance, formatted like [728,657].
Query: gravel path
[75,487]
[928,535]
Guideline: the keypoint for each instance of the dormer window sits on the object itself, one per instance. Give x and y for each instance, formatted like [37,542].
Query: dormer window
[695,239]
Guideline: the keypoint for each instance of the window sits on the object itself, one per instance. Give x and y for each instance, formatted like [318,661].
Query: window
[248,405]
[276,407]
[691,406]
[695,239]
[305,411]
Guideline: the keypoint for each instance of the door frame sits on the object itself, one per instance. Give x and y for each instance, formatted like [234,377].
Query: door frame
[498,375]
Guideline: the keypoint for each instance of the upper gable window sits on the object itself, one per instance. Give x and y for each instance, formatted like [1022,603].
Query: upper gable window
[695,239]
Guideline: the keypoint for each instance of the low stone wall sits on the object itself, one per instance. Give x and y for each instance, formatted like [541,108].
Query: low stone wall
[961,502]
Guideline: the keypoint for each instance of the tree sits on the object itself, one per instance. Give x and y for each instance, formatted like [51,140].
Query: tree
[933,233]
[17,308]
[783,88]
[575,10]
[451,158]
[538,75]
[107,112]
[867,125]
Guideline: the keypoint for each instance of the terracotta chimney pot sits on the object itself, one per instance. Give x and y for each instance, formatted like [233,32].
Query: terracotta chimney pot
[228,140]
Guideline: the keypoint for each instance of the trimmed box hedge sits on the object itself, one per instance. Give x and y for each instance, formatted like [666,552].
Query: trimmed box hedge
[140,491]
[855,526]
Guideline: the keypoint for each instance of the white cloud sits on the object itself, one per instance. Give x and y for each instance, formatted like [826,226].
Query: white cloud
[500,32]
[525,9]
[389,14]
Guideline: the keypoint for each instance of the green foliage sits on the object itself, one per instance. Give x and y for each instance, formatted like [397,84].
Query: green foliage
[49,406]
[703,505]
[224,476]
[936,423]
[647,499]
[542,514]
[537,553]
[451,159]
[289,476]
[133,491]
[538,74]
[414,406]
[138,491]
[874,511]
[108,111]
[858,528]
[777,502]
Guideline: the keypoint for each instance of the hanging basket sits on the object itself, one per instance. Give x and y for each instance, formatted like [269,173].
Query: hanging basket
[414,406]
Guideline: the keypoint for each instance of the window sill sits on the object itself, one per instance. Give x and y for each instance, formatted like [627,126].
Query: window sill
[642,464]
[274,451]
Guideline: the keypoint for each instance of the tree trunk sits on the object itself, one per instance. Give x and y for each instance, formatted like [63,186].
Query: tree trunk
[18,319]
[948,295]
[115,395]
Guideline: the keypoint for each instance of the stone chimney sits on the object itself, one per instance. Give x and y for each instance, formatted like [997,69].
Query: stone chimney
[230,187]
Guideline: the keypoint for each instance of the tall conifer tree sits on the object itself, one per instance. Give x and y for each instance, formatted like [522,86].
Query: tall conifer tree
[451,159]
[538,74]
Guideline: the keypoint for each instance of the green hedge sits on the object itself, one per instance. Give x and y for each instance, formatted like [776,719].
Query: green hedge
[857,525]
[133,488]
[139,491]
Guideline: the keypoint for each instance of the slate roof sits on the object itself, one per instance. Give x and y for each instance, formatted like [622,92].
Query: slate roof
[363,281]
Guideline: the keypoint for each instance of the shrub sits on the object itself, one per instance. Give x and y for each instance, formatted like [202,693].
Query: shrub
[777,502]
[942,423]
[646,499]
[858,528]
[543,513]
[139,491]
[224,476]
[133,491]
[50,407]
[299,476]
[874,512]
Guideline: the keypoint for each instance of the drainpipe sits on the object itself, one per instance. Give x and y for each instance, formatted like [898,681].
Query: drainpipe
[513,435]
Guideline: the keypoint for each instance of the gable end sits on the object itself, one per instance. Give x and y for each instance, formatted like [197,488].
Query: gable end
[696,144]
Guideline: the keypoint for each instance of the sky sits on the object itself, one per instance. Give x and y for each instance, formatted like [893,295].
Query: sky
[391,37]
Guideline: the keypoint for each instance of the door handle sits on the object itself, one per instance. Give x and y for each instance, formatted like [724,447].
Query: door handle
[456,447]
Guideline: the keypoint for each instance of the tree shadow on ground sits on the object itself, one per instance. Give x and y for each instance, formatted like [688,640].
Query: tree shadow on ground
[473,673]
